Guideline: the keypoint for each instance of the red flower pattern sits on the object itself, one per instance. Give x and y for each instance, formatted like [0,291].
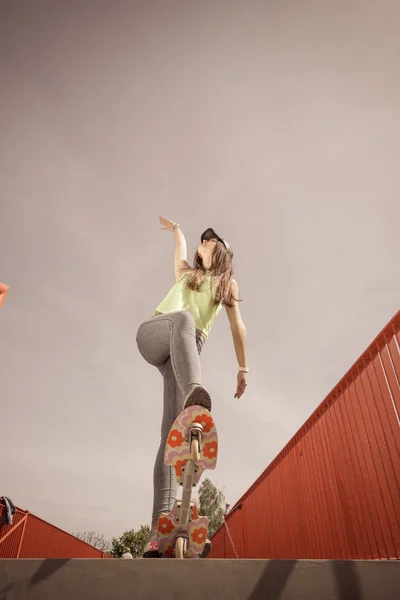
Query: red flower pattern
[170,552]
[206,421]
[165,525]
[178,467]
[175,438]
[210,450]
[199,535]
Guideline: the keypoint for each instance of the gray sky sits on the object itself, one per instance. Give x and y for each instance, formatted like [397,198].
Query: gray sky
[276,123]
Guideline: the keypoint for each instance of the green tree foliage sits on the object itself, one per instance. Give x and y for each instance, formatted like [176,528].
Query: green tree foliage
[212,504]
[134,540]
[97,540]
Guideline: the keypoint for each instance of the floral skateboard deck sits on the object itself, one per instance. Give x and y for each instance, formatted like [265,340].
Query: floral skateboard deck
[177,451]
[169,529]
[178,454]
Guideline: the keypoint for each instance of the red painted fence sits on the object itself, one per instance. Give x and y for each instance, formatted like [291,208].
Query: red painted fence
[334,490]
[31,537]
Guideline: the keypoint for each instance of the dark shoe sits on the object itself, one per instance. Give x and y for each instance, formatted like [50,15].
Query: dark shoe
[151,554]
[198,396]
[207,549]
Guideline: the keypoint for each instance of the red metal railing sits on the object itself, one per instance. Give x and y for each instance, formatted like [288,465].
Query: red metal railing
[31,537]
[334,490]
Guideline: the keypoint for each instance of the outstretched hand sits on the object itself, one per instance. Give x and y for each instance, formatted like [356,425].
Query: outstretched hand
[3,292]
[166,224]
[241,384]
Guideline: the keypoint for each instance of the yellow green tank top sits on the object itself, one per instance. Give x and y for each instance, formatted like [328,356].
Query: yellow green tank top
[199,304]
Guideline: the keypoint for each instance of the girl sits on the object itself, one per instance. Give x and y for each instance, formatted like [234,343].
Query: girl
[173,338]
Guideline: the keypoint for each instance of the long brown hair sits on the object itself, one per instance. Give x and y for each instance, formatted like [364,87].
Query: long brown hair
[221,276]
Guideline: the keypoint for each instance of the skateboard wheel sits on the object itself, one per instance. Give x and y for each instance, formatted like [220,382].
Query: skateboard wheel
[180,547]
[195,450]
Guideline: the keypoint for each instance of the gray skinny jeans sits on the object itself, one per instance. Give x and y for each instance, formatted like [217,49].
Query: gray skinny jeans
[171,343]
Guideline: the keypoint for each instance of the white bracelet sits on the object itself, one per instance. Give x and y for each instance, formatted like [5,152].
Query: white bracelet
[244,369]
[174,226]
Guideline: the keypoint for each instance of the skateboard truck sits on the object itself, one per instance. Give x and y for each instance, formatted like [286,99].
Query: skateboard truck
[188,481]
[195,439]
[181,541]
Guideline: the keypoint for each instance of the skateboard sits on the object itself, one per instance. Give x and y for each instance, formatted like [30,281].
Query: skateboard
[192,447]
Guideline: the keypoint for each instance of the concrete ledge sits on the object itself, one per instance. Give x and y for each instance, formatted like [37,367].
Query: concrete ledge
[155,579]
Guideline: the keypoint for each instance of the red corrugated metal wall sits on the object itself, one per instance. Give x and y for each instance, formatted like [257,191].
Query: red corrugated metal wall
[334,490]
[31,537]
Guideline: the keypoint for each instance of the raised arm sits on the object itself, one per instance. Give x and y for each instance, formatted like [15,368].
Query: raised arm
[180,256]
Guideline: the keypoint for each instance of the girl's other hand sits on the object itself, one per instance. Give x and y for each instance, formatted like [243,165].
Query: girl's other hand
[241,384]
